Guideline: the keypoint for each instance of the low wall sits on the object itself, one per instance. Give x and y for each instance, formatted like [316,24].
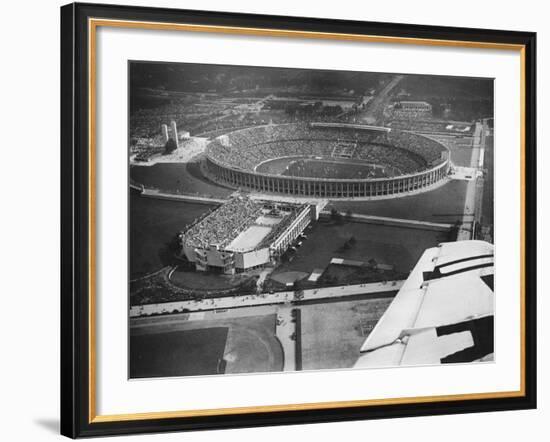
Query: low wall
[148,193]
[385,221]
[298,319]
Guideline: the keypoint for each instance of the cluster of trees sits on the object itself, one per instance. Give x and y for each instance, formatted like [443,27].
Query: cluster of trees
[339,218]
[349,243]
[170,146]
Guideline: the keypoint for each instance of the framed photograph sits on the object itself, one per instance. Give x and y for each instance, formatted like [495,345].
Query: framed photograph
[279,220]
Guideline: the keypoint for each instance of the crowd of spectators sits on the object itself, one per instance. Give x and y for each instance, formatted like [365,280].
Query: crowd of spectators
[432,151]
[391,157]
[146,122]
[246,148]
[223,224]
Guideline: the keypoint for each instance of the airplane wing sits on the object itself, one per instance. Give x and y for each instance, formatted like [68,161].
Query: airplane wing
[443,313]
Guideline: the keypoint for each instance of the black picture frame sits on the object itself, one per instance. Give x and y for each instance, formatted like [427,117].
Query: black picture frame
[76,418]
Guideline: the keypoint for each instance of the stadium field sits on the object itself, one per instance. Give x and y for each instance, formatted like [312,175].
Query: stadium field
[275,166]
[332,333]
[326,168]
[153,224]
[178,353]
[339,169]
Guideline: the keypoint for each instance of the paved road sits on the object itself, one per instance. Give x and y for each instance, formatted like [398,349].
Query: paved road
[286,297]
[285,329]
[390,221]
[375,108]
[465,232]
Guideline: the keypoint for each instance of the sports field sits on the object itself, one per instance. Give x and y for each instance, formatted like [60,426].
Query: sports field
[332,333]
[252,346]
[153,224]
[338,169]
[177,353]
[229,341]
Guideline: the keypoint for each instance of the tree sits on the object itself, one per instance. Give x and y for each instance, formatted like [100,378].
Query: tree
[335,215]
[170,146]
[299,295]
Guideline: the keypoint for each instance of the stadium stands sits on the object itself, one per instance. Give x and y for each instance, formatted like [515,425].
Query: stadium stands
[224,224]
[234,157]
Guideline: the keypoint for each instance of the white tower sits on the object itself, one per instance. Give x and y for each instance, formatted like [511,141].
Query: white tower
[165,135]
[175,133]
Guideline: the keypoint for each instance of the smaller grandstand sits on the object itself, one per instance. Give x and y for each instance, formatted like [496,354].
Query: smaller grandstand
[244,234]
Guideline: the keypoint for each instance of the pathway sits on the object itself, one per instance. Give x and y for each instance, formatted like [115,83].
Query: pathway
[286,297]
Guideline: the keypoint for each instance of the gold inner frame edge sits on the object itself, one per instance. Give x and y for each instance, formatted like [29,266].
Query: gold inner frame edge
[93,24]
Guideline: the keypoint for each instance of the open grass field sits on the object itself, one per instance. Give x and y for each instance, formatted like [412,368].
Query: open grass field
[193,280]
[332,333]
[461,156]
[177,353]
[153,224]
[244,338]
[252,346]
[444,204]
[401,247]
[177,178]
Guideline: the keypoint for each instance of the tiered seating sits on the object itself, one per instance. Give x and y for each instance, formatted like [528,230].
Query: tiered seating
[223,224]
[430,150]
[246,148]
[390,156]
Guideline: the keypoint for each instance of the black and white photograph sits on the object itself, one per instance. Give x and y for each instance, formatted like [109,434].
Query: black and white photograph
[285,219]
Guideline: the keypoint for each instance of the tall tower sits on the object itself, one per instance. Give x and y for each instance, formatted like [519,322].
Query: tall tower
[175,133]
[165,136]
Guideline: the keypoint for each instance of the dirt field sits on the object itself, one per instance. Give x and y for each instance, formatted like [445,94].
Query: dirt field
[333,333]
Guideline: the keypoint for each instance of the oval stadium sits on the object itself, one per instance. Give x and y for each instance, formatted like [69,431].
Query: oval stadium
[327,160]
